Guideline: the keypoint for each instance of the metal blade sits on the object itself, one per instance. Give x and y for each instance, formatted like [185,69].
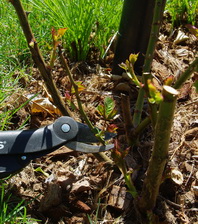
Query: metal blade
[82,147]
[86,135]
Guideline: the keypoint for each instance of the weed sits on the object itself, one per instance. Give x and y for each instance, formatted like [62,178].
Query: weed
[93,219]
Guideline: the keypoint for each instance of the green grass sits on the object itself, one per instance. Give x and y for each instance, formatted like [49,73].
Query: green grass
[8,85]
[183,11]
[13,49]
[12,209]
[15,55]
[89,22]
[10,96]
[14,52]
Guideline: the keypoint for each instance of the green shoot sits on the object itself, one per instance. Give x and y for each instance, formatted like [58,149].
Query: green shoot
[155,95]
[118,155]
[40,170]
[56,36]
[107,110]
[128,66]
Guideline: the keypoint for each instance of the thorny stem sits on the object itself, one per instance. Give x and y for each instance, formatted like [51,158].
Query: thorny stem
[140,128]
[68,72]
[185,75]
[138,107]
[129,182]
[160,150]
[125,103]
[158,12]
[53,56]
[100,156]
[120,163]
[135,133]
[132,132]
[45,70]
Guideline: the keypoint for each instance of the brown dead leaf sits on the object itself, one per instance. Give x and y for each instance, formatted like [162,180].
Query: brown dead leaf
[81,186]
[185,92]
[80,205]
[43,105]
[66,181]
[51,198]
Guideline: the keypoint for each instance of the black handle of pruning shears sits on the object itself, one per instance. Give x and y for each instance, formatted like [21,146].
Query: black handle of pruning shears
[17,148]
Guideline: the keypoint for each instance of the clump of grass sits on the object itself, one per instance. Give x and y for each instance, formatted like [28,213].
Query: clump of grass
[9,89]
[183,11]
[89,22]
[14,52]
[12,210]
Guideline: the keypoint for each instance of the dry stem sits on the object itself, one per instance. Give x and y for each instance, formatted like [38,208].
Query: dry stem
[45,70]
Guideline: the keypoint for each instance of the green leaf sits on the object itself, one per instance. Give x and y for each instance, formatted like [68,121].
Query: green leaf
[124,66]
[101,111]
[109,105]
[100,134]
[112,114]
[133,58]
[107,111]
[155,95]
[81,87]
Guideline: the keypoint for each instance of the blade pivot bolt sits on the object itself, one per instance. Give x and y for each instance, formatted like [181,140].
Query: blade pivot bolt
[23,157]
[65,128]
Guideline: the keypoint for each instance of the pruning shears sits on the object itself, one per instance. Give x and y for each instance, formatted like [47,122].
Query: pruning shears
[18,148]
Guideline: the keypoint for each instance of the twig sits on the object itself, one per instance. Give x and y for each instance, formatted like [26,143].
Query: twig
[158,12]
[175,205]
[141,127]
[185,75]
[190,174]
[45,70]
[68,72]
[125,103]
[138,107]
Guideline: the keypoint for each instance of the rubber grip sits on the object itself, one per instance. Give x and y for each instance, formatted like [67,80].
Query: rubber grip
[30,141]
